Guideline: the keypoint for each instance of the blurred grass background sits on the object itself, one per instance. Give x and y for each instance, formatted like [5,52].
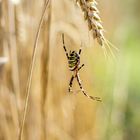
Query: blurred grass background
[53,114]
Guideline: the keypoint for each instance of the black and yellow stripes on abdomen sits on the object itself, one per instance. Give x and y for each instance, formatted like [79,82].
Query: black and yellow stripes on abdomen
[73,61]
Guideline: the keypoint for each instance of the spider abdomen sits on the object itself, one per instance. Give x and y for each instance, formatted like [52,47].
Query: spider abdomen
[74,60]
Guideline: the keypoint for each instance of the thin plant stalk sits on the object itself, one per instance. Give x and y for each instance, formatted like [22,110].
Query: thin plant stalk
[45,69]
[29,80]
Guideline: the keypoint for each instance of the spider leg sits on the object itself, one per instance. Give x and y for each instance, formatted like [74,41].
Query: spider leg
[64,46]
[81,67]
[70,84]
[80,51]
[91,97]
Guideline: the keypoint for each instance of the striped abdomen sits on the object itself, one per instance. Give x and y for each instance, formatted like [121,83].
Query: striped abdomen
[73,61]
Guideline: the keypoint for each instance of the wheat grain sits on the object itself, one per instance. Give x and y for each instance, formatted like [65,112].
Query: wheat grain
[91,15]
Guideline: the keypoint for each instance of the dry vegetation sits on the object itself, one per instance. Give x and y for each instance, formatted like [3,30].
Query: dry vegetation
[52,113]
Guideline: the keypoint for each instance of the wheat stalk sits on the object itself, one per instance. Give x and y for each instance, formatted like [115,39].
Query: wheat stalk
[91,15]
[28,87]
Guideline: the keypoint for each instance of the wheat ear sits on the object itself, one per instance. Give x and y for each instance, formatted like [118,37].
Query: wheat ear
[28,87]
[91,15]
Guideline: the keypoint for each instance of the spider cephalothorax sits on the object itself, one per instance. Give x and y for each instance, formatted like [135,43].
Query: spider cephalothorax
[74,65]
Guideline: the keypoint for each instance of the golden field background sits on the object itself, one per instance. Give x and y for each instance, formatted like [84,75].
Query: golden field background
[53,113]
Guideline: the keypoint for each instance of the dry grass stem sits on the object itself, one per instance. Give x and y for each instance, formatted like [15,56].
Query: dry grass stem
[28,87]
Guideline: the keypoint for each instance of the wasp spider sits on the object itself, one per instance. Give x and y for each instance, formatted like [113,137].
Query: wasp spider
[74,66]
